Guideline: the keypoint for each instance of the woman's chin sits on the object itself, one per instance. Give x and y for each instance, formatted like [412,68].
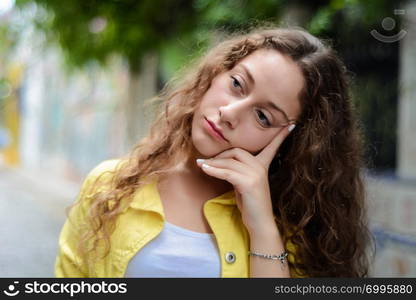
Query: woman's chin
[205,150]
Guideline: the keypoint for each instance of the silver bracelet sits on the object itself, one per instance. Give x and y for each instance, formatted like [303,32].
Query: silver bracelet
[282,257]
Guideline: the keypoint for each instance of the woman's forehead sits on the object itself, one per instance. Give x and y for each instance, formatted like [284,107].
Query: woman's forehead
[276,77]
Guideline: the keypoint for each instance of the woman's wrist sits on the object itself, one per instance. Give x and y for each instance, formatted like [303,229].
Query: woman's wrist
[267,251]
[264,230]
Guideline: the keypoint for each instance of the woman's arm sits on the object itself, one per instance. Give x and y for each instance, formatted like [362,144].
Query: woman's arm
[249,176]
[68,263]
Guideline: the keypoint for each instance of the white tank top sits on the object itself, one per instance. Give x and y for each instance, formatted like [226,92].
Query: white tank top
[177,252]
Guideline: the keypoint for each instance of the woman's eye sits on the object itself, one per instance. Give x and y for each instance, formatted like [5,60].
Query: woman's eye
[263,119]
[236,83]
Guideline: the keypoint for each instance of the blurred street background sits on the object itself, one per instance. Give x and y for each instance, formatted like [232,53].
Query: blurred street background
[75,77]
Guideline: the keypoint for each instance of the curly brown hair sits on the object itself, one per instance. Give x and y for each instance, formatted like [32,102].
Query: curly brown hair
[315,179]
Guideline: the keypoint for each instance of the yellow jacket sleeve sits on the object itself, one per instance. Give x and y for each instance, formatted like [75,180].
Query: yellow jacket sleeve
[68,263]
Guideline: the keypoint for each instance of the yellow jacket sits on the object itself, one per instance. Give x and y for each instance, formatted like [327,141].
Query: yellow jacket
[142,221]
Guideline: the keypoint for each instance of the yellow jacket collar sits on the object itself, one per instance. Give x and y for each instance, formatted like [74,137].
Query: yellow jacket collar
[148,198]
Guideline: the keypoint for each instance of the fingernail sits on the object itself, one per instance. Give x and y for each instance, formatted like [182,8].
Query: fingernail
[200,161]
[291,127]
[205,166]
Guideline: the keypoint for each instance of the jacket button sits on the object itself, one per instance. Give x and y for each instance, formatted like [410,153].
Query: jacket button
[230,257]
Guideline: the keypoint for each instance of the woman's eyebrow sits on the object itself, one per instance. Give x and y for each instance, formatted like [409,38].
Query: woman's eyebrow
[249,76]
[275,107]
[268,102]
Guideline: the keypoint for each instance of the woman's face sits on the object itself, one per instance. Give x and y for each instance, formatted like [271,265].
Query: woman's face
[248,104]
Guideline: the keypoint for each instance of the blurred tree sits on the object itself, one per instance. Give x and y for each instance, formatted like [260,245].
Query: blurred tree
[96,29]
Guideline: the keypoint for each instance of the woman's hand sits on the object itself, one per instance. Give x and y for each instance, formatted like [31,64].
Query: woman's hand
[249,176]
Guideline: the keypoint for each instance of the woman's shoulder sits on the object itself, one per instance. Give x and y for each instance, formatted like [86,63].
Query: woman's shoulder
[106,167]
[109,165]
[102,174]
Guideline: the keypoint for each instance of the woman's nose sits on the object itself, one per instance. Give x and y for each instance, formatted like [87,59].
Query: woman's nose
[231,113]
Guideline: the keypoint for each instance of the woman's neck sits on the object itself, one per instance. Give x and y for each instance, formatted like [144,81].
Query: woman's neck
[188,176]
[194,174]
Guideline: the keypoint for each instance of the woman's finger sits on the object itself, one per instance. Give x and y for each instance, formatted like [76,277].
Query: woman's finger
[267,154]
[233,177]
[226,163]
[239,155]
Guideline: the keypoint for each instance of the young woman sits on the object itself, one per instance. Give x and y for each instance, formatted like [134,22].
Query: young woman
[251,169]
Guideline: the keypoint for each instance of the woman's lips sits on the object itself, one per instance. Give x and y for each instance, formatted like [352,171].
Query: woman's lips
[210,127]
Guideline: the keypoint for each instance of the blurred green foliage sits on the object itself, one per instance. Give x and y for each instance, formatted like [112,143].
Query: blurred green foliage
[96,29]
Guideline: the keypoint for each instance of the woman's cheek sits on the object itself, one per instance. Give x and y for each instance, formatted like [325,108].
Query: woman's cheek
[253,142]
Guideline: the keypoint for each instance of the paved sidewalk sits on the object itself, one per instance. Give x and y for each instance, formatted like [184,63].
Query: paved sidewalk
[32,212]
